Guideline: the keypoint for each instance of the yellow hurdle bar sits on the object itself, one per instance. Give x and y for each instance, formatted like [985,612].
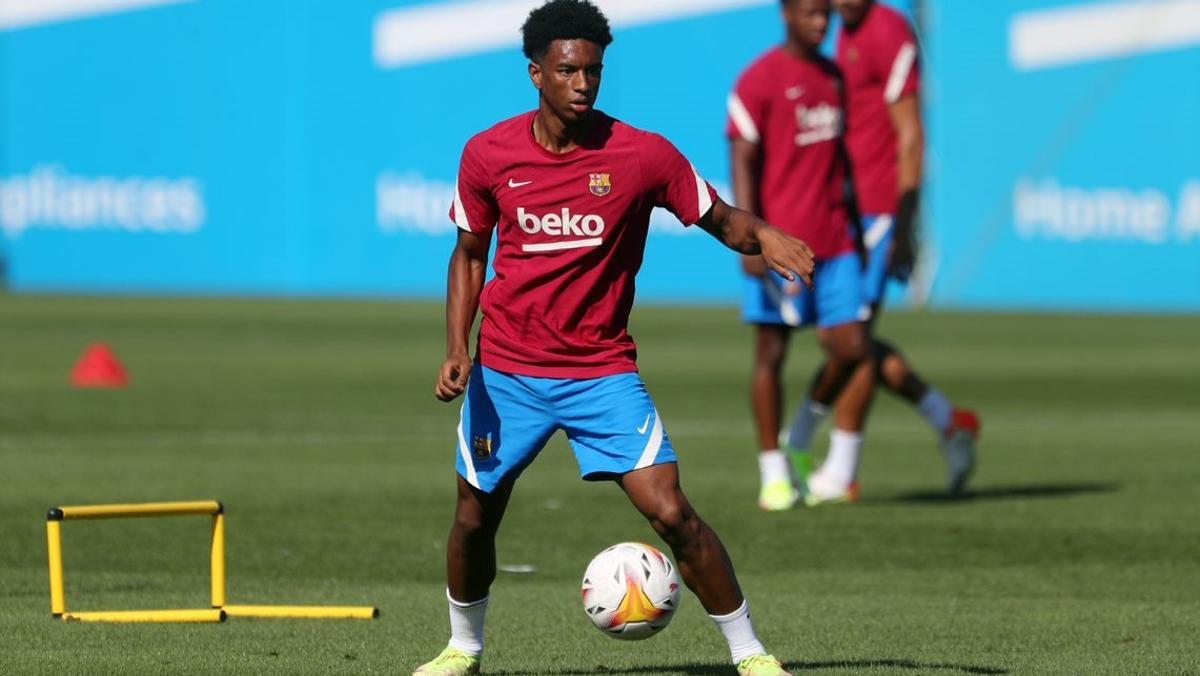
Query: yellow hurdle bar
[218,560]
[137,509]
[58,597]
[204,615]
[311,612]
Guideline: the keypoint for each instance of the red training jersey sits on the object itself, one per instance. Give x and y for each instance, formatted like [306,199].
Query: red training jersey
[879,59]
[571,231]
[793,109]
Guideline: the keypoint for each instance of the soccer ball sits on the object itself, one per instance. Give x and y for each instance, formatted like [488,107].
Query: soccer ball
[630,591]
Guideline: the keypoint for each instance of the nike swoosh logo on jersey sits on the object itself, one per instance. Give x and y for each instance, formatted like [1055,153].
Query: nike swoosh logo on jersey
[642,429]
[517,184]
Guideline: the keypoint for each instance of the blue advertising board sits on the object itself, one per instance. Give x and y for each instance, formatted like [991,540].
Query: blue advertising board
[1065,137]
[310,147]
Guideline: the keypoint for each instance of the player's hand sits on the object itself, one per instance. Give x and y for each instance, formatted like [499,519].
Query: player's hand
[754,266]
[452,378]
[787,255]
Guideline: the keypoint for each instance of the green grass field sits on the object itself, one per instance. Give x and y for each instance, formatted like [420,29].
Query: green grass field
[1076,553]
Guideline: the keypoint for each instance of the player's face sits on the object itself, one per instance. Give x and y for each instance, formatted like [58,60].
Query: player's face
[569,78]
[807,21]
[852,11]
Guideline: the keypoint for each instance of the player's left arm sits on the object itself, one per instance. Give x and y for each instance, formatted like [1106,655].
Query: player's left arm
[910,151]
[748,234]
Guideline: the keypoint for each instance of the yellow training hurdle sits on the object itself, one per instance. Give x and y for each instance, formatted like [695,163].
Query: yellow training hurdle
[219,610]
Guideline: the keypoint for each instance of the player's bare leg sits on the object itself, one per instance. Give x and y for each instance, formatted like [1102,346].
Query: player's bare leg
[850,378]
[703,561]
[470,571]
[777,487]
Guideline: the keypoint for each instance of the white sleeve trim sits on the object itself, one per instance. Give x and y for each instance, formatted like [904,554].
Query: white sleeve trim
[901,67]
[704,200]
[741,119]
[460,214]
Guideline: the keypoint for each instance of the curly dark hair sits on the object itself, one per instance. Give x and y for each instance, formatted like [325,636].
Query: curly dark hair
[563,20]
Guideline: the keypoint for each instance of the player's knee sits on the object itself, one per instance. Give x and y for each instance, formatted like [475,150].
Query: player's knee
[673,520]
[848,348]
[471,522]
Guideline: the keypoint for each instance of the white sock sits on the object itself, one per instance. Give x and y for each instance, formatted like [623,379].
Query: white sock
[841,465]
[805,423]
[739,632]
[773,465]
[466,624]
[937,410]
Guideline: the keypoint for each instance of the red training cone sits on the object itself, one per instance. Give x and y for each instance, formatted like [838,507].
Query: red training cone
[99,367]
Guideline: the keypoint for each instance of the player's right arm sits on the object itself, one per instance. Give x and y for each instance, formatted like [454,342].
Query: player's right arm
[475,213]
[746,108]
[748,234]
[464,284]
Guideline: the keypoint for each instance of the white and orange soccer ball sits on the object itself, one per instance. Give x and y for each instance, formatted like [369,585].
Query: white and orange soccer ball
[630,591]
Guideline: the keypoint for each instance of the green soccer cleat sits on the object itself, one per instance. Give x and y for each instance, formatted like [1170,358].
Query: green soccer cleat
[452,662]
[778,495]
[802,466]
[761,665]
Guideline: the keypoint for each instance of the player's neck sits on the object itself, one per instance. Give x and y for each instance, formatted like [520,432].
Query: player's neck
[800,51]
[555,135]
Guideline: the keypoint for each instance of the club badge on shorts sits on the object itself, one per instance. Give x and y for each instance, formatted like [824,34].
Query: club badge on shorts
[482,446]
[599,184]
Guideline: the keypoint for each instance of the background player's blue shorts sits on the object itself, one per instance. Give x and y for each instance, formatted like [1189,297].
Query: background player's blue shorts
[878,230]
[836,296]
[506,419]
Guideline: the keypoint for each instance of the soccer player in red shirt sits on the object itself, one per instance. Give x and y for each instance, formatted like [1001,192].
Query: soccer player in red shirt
[877,53]
[568,193]
[785,127]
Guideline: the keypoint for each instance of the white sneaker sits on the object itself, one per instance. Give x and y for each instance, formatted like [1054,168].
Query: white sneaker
[824,491]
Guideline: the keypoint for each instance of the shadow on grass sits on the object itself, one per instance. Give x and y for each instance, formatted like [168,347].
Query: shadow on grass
[1061,490]
[726,669]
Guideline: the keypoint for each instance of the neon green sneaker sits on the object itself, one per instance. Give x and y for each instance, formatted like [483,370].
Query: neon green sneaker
[778,495]
[761,665]
[452,662]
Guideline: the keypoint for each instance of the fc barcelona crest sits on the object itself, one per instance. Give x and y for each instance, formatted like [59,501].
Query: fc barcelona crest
[599,184]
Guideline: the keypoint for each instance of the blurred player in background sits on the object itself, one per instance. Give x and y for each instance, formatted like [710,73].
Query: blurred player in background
[569,191]
[877,54]
[785,127]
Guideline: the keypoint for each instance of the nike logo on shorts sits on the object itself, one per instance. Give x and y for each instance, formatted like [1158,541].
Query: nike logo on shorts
[517,184]
[642,429]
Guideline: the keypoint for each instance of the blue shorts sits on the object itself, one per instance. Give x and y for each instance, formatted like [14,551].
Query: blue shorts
[506,419]
[836,296]
[878,230]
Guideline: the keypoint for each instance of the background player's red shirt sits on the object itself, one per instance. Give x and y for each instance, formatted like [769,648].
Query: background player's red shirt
[793,108]
[571,232]
[879,60]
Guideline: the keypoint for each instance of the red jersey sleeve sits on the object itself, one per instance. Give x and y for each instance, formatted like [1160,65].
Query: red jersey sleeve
[673,183]
[747,108]
[474,208]
[896,60]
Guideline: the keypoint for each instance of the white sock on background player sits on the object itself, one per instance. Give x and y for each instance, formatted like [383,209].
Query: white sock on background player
[739,632]
[773,465]
[841,465]
[466,624]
